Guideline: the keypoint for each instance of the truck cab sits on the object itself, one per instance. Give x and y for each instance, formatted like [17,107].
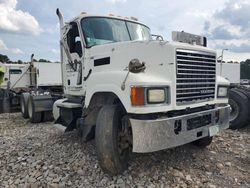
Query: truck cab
[16,73]
[133,93]
[14,78]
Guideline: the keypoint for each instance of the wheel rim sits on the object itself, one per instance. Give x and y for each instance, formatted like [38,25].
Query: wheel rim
[234,110]
[30,108]
[124,138]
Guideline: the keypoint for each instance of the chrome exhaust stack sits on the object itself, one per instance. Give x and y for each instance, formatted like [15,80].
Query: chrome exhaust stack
[61,21]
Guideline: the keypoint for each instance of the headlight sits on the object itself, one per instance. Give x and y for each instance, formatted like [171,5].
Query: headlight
[141,96]
[156,96]
[222,91]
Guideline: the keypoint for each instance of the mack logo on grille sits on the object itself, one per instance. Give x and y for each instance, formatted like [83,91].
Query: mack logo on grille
[206,91]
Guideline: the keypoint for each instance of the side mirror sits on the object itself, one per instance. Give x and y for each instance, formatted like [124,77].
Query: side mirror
[135,66]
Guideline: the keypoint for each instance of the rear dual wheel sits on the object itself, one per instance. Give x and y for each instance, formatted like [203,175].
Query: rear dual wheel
[35,117]
[28,110]
[24,105]
[113,138]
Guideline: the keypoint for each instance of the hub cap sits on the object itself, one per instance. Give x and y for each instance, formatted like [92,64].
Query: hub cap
[124,137]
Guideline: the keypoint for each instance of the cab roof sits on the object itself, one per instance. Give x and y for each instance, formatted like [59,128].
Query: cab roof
[86,15]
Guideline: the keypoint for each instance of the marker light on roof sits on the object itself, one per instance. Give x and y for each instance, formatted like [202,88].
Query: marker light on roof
[133,18]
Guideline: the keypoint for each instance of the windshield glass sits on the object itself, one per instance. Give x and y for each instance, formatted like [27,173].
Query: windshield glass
[138,32]
[99,31]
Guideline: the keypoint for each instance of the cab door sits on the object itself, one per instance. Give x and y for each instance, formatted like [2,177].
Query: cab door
[73,60]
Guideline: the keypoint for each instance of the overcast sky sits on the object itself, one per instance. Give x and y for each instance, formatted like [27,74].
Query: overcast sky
[28,27]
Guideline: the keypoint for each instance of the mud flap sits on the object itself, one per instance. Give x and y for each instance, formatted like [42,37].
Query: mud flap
[43,103]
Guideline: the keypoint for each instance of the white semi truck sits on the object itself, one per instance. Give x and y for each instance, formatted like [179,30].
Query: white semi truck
[31,88]
[133,93]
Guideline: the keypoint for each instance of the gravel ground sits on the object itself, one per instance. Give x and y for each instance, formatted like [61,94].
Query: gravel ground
[40,155]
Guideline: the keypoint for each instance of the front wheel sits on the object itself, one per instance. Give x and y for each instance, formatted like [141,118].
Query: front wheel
[113,139]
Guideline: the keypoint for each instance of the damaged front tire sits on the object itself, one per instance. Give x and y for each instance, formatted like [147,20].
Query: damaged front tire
[113,139]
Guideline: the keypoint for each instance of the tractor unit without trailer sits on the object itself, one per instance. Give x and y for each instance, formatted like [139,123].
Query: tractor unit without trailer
[31,88]
[136,94]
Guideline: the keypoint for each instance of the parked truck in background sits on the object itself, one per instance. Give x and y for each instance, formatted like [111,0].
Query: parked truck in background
[31,88]
[136,94]
[239,95]
[230,71]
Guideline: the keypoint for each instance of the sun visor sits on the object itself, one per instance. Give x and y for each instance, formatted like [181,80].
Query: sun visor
[189,38]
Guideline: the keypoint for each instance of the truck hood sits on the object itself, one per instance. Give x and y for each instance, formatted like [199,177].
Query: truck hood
[159,56]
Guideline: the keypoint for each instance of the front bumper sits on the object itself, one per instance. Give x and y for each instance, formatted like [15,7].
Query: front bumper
[159,134]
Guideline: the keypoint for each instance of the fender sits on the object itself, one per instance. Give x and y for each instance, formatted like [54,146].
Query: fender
[111,88]
[112,82]
[43,103]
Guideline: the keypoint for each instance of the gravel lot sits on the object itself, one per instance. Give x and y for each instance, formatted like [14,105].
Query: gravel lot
[40,155]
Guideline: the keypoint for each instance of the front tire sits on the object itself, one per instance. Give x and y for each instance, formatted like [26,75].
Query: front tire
[112,139]
[35,117]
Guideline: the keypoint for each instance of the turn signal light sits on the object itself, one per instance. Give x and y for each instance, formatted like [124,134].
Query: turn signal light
[137,96]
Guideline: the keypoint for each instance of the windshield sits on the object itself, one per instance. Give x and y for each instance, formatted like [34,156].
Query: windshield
[99,31]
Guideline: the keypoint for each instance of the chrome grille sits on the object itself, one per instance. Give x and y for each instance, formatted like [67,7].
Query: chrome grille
[196,74]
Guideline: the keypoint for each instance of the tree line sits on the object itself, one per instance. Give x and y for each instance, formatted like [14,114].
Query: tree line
[245,69]
[5,59]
